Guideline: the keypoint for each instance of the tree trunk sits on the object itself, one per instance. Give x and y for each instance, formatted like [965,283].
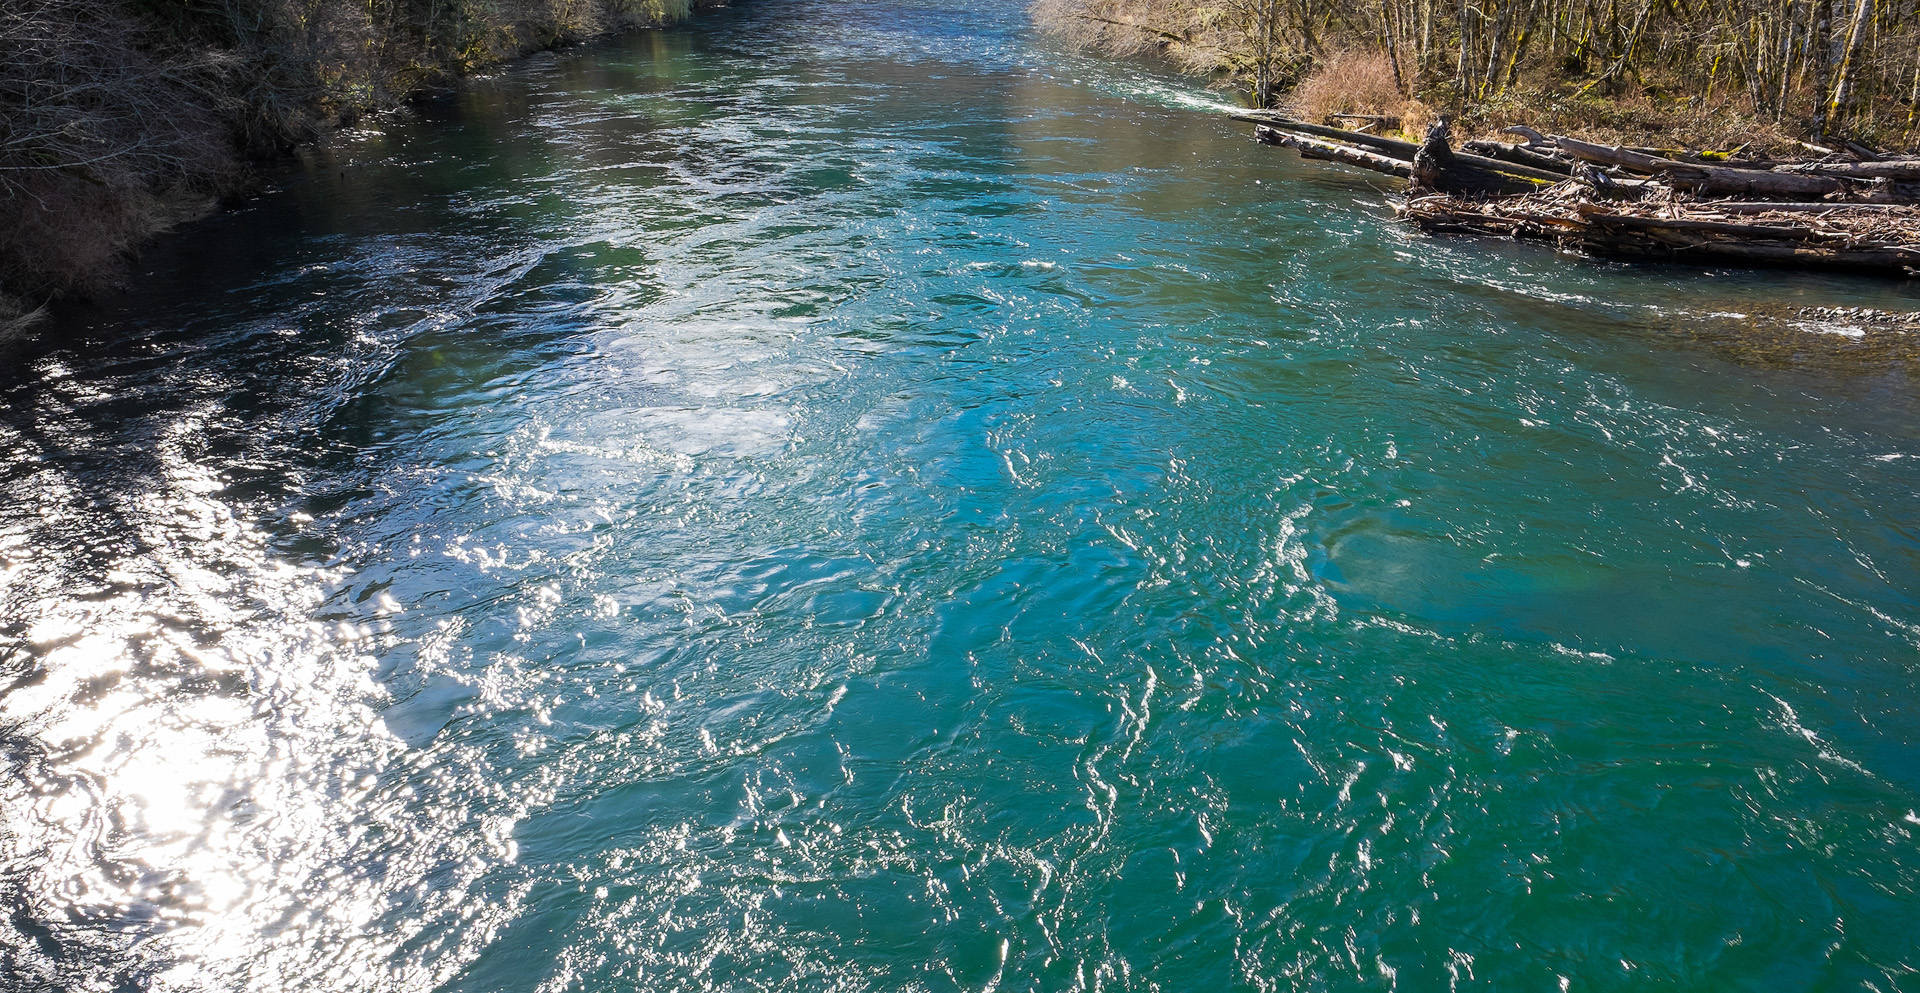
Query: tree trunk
[1843,80]
[1822,52]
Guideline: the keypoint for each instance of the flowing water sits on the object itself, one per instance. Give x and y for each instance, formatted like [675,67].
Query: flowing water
[846,496]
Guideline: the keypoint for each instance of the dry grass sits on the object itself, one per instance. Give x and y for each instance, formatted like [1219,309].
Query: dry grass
[1349,82]
[1636,119]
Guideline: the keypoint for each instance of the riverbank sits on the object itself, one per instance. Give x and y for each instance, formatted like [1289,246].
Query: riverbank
[1743,72]
[841,495]
[1853,210]
[124,119]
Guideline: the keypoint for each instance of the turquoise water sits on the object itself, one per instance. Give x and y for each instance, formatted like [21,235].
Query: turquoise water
[845,496]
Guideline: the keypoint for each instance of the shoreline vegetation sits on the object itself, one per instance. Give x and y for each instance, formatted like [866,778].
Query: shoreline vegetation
[122,118]
[1714,74]
[1742,132]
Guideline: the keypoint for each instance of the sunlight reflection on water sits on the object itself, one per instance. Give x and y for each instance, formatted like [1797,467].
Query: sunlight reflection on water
[811,501]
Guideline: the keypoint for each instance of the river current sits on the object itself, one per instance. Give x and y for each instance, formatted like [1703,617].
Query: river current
[845,495]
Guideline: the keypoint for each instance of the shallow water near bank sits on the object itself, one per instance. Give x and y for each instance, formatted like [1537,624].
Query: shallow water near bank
[844,495]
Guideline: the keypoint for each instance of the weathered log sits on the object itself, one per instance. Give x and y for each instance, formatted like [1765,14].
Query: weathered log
[1863,151]
[1718,160]
[1860,243]
[1646,160]
[1521,155]
[1602,217]
[1617,187]
[1534,177]
[1310,148]
[1891,259]
[1768,206]
[1908,169]
[1708,182]
[1402,150]
[1405,150]
[1735,163]
[1614,155]
[1533,137]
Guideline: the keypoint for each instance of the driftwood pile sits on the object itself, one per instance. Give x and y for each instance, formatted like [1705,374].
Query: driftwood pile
[1852,210]
[1664,224]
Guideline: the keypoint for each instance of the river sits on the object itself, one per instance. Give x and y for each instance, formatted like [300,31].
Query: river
[846,495]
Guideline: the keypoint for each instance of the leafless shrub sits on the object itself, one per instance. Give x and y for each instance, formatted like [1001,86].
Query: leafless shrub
[16,317]
[1349,82]
[91,127]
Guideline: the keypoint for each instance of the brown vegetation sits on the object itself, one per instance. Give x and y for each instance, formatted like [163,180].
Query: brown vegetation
[121,117]
[1354,81]
[1702,71]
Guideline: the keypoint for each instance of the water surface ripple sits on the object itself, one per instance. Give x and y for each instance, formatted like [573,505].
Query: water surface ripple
[842,496]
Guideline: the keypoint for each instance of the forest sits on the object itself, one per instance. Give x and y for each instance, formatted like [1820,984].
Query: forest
[1702,72]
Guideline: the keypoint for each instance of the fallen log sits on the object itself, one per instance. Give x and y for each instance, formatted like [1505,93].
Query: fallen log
[1705,180]
[1648,160]
[1715,160]
[1734,163]
[1614,155]
[1771,206]
[1708,182]
[1310,148]
[1863,152]
[1891,169]
[1665,228]
[1402,150]
[1535,176]
[1894,259]
[1601,216]
[1521,155]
